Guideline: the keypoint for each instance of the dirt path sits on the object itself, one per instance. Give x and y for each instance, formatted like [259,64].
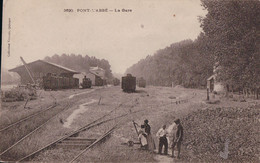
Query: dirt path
[71,96]
[82,108]
[166,159]
[163,158]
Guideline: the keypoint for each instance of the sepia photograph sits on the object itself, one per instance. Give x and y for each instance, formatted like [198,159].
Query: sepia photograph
[160,81]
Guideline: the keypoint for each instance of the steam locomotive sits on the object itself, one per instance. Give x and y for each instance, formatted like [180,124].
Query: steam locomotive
[86,82]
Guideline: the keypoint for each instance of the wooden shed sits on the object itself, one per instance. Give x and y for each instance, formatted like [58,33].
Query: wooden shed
[39,69]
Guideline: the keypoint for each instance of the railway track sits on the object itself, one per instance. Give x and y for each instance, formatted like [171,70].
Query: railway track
[36,129]
[69,138]
[94,143]
[27,118]
[18,127]
[71,135]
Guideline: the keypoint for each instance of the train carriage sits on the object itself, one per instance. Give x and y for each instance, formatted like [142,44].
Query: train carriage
[66,82]
[141,82]
[76,83]
[53,82]
[46,83]
[59,82]
[49,82]
[73,82]
[128,83]
[116,82]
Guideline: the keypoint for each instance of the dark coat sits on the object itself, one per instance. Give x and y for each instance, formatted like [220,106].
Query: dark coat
[179,133]
[147,128]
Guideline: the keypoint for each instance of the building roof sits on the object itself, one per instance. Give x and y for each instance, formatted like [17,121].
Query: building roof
[46,62]
[97,71]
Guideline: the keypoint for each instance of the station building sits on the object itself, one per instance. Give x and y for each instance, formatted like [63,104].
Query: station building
[39,69]
[97,76]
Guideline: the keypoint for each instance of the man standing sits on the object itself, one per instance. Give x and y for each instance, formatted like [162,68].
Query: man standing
[162,133]
[178,138]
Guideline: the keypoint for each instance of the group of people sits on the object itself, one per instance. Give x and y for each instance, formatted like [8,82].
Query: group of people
[148,143]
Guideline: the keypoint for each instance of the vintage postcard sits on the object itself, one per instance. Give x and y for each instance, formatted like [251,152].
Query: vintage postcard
[130,81]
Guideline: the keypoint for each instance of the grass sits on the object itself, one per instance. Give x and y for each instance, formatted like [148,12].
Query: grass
[16,132]
[48,133]
[12,135]
[14,111]
[208,130]
[155,103]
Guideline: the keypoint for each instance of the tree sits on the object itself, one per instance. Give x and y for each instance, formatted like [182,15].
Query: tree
[232,28]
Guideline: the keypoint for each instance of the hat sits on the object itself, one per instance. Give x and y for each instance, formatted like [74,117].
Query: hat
[177,121]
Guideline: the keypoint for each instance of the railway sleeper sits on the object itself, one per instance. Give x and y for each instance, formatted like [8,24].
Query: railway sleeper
[69,146]
[80,138]
[75,142]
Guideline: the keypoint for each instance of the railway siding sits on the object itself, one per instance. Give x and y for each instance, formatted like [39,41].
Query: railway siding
[97,122]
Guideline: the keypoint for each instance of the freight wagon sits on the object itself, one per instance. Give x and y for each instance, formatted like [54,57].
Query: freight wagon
[54,82]
[128,83]
[116,82]
[141,82]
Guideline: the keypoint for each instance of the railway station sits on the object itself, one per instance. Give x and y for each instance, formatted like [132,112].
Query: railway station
[130,81]
[97,76]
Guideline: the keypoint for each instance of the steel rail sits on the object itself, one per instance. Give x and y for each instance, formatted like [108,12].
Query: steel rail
[101,137]
[88,126]
[54,116]
[25,118]
[94,143]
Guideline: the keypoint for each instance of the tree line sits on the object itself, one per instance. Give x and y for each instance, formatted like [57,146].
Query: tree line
[229,42]
[81,63]
[181,63]
[233,30]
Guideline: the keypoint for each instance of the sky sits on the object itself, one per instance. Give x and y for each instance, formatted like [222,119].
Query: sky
[36,29]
